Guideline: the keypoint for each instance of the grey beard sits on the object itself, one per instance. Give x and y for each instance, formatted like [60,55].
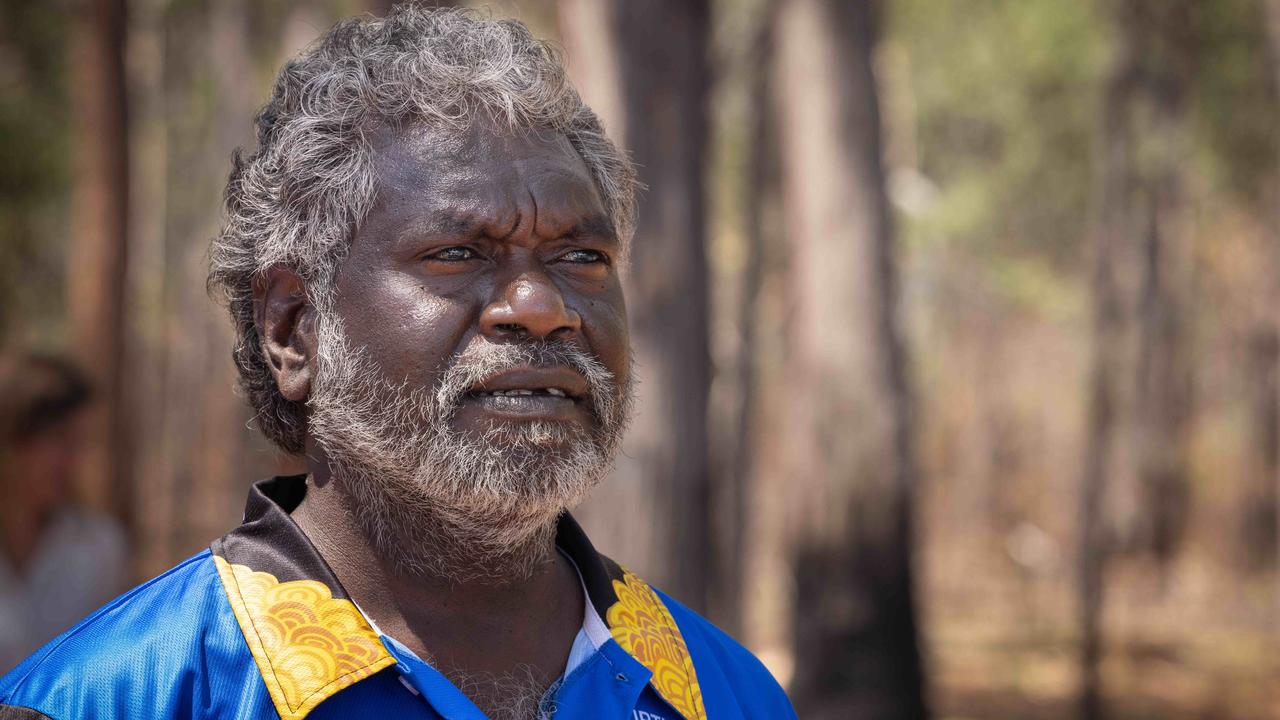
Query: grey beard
[523,694]
[435,501]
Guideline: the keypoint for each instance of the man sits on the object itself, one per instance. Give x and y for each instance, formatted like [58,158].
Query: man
[422,262]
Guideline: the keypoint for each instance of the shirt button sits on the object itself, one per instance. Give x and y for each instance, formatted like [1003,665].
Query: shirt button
[620,678]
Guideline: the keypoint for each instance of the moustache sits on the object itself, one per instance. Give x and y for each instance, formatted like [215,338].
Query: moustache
[480,362]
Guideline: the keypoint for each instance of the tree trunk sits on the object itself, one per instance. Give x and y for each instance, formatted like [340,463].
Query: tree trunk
[740,456]
[147,303]
[643,67]
[1272,21]
[1139,401]
[1258,511]
[97,257]
[1104,375]
[1163,376]
[200,453]
[853,474]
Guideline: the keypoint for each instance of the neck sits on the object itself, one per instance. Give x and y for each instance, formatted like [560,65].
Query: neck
[328,517]
[465,615]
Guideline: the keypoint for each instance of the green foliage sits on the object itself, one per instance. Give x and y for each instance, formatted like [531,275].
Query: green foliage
[1005,98]
[1006,101]
[1236,101]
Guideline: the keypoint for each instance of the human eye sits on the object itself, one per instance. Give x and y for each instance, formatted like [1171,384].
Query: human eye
[455,253]
[583,256]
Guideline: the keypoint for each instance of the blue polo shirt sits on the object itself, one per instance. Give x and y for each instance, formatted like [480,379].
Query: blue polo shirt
[257,626]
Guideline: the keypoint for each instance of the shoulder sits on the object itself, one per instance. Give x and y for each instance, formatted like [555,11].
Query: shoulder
[154,651]
[728,674]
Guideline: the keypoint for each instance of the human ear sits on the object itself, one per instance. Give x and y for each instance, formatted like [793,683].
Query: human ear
[286,330]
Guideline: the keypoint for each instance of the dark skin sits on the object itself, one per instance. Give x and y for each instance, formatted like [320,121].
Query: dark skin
[477,236]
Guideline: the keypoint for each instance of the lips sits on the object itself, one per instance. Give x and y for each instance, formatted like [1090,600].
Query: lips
[556,393]
[558,382]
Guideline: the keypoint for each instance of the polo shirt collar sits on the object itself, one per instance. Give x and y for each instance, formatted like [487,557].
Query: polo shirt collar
[309,640]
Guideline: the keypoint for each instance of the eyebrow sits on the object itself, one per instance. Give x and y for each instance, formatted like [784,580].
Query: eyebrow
[444,225]
[455,225]
[595,226]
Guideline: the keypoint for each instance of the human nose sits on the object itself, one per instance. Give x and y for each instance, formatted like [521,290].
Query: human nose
[529,305]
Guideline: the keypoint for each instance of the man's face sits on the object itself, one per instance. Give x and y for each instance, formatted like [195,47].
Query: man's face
[475,357]
[485,237]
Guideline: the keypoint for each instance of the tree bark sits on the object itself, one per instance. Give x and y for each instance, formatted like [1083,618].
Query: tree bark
[1104,374]
[1259,531]
[1163,376]
[1139,402]
[853,472]
[1272,21]
[97,257]
[147,302]
[643,67]
[200,453]
[738,465]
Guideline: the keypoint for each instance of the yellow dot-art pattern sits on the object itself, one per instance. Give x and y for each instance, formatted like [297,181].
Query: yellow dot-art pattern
[308,644]
[643,626]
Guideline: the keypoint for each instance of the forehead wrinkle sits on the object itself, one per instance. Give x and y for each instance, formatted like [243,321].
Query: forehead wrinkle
[473,197]
[449,223]
[569,206]
[533,205]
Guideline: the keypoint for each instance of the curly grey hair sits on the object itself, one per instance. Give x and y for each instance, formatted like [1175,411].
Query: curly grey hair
[296,201]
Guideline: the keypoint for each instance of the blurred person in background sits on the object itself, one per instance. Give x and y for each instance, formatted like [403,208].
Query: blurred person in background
[57,561]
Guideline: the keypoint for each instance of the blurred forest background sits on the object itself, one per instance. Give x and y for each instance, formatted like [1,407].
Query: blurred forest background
[958,321]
